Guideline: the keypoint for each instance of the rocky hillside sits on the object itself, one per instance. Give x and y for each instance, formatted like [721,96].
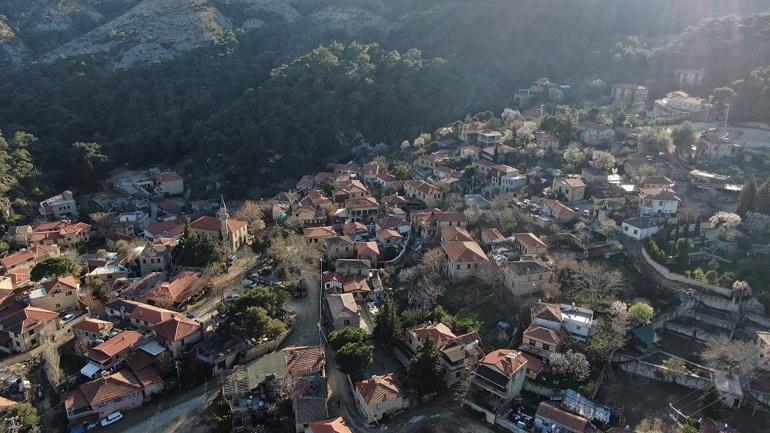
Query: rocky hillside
[128,32]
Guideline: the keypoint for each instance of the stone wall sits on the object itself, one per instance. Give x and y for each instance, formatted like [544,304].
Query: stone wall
[691,331]
[665,273]
[663,374]
[263,348]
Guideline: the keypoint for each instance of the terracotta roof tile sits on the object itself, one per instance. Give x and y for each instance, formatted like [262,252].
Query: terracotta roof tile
[379,389]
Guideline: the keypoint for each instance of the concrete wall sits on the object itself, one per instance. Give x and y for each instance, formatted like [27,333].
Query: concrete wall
[663,374]
[261,349]
[690,331]
[538,389]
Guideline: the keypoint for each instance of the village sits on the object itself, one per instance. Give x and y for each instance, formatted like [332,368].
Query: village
[586,268]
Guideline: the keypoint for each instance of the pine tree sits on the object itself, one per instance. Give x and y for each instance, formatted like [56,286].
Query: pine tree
[387,323]
[425,369]
[686,232]
[748,197]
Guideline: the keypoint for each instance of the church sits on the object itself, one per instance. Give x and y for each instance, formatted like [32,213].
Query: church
[222,227]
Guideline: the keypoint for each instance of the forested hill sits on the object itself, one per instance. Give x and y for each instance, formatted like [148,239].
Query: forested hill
[242,85]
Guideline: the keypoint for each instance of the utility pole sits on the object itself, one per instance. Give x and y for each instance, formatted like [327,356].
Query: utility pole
[727,114]
[320,301]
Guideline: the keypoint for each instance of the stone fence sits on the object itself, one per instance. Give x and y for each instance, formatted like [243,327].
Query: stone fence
[671,276]
[266,347]
[663,374]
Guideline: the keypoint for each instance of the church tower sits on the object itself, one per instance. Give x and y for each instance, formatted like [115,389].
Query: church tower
[223,228]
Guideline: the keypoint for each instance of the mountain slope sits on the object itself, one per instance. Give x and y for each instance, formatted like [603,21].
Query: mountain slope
[152,30]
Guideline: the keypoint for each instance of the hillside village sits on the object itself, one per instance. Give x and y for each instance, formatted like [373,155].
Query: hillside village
[594,267]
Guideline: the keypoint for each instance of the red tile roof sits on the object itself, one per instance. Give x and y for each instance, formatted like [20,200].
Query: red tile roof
[19,317]
[464,252]
[455,234]
[212,224]
[19,257]
[176,328]
[150,314]
[117,385]
[304,359]
[379,389]
[172,228]
[552,413]
[115,346]
[177,290]
[529,240]
[367,249]
[549,336]
[557,207]
[96,326]
[319,232]
[506,361]
[167,177]
[336,425]
[438,333]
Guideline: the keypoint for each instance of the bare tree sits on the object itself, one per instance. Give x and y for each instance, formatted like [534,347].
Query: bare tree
[51,359]
[294,258]
[252,213]
[733,356]
[593,282]
[602,161]
[425,281]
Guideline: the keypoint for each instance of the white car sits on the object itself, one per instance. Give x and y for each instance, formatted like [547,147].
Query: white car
[111,419]
[68,318]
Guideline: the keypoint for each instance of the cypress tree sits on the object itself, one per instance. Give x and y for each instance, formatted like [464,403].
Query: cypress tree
[747,198]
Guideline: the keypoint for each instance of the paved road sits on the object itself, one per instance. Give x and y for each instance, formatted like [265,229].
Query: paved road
[158,417]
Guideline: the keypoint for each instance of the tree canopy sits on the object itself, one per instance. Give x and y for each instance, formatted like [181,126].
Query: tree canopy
[52,267]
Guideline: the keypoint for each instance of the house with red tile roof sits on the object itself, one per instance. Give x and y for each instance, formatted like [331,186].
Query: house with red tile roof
[22,327]
[549,416]
[176,292]
[463,259]
[362,208]
[491,236]
[378,397]
[429,195]
[169,183]
[530,245]
[59,294]
[94,400]
[354,230]
[178,333]
[336,425]
[368,251]
[316,236]
[26,258]
[429,222]
[65,234]
[658,202]
[455,234]
[500,376]
[558,211]
[459,354]
[305,360]
[115,350]
[165,229]
[91,329]
[571,188]
[388,237]
[542,341]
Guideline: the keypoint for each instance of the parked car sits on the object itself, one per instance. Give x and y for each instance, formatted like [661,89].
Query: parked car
[68,318]
[190,315]
[111,419]
[232,297]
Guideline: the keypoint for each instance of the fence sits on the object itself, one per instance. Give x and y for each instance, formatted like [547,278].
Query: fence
[678,278]
[663,374]
[263,348]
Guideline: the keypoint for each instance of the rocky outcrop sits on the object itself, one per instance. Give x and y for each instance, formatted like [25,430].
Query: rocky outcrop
[151,31]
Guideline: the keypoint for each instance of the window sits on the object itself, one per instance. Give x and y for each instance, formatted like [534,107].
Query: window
[69,293]
[102,404]
[31,332]
[636,231]
[546,347]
